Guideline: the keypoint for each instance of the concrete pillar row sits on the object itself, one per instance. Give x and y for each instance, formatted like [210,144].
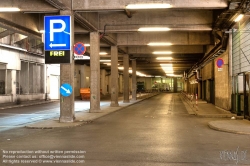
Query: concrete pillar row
[134,83]
[67,104]
[126,78]
[114,77]
[94,72]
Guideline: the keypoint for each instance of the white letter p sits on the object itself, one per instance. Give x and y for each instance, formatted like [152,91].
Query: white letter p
[52,30]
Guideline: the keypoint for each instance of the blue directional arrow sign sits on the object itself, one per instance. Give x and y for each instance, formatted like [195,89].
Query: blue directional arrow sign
[66,90]
[57,33]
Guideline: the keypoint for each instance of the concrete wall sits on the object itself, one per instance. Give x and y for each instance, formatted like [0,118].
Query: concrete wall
[222,84]
[208,71]
[208,92]
[77,80]
[85,76]
[12,58]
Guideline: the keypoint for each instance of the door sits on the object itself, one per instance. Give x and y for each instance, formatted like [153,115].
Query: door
[54,87]
[246,95]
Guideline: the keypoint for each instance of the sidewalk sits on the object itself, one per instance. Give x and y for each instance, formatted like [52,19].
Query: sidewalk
[24,103]
[82,117]
[208,110]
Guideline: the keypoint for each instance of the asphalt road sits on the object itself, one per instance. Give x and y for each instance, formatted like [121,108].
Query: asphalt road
[154,132]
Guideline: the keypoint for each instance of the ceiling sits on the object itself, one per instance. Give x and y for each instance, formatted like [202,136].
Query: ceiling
[198,29]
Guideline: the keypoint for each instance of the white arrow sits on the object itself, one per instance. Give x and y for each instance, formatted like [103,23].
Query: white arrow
[57,45]
[67,90]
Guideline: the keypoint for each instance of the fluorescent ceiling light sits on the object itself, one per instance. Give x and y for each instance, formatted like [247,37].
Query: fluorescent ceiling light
[164,58]
[9,9]
[103,53]
[42,31]
[154,29]
[108,64]
[148,6]
[13,47]
[86,45]
[159,44]
[239,17]
[174,75]
[166,65]
[169,72]
[162,52]
[105,60]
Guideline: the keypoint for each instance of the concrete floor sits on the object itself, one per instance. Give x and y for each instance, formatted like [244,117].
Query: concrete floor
[157,131]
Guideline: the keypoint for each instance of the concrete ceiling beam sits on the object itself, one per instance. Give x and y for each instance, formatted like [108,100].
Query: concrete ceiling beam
[30,6]
[175,49]
[176,38]
[178,20]
[6,33]
[121,4]
[18,23]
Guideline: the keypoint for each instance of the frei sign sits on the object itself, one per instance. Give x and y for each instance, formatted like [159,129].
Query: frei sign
[57,39]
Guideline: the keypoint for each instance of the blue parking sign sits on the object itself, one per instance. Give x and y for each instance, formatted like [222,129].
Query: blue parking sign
[57,33]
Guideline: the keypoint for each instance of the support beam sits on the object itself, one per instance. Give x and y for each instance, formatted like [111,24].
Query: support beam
[5,80]
[176,38]
[126,78]
[134,83]
[67,104]
[120,5]
[114,77]
[94,72]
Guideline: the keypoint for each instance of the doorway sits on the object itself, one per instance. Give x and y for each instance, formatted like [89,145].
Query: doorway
[54,87]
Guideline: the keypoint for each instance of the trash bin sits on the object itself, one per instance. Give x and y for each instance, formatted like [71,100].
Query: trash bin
[85,93]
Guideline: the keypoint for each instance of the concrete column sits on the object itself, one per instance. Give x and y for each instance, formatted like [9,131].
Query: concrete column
[126,78]
[120,84]
[175,84]
[114,77]
[134,86]
[19,76]
[28,79]
[13,85]
[103,82]
[94,72]
[5,80]
[67,104]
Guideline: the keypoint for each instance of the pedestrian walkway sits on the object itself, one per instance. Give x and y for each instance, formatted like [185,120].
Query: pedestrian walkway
[81,111]
[24,103]
[230,123]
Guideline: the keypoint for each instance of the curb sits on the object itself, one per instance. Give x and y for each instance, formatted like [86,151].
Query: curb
[24,105]
[213,126]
